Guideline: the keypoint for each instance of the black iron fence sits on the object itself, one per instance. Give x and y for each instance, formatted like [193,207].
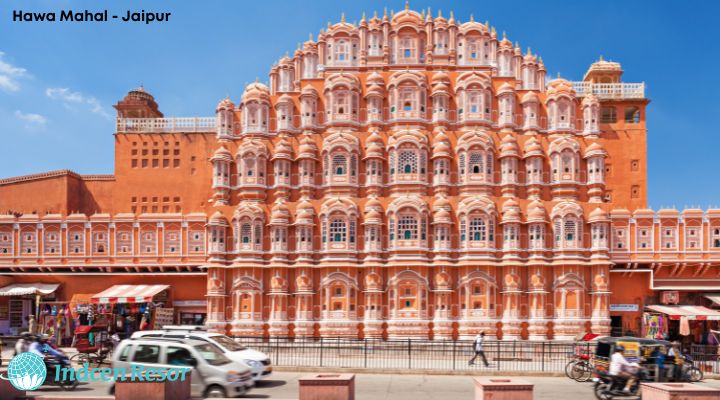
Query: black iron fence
[415,354]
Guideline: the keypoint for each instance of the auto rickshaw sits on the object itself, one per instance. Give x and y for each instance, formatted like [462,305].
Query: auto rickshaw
[638,350]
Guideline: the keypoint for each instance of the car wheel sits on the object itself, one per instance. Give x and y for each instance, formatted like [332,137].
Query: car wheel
[215,392]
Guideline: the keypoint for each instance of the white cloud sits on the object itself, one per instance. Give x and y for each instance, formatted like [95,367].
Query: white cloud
[31,120]
[68,97]
[9,75]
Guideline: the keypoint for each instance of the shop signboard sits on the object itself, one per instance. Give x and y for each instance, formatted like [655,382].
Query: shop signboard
[624,308]
[670,297]
[164,316]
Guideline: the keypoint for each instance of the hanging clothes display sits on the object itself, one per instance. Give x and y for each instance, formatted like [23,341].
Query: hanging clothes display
[684,326]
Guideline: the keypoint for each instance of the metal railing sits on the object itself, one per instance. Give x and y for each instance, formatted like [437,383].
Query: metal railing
[610,90]
[165,125]
[453,355]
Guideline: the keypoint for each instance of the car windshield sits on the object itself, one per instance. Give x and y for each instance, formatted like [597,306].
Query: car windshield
[211,354]
[227,343]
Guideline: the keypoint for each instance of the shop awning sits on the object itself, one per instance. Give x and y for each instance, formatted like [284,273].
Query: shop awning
[22,289]
[691,312]
[128,294]
[715,298]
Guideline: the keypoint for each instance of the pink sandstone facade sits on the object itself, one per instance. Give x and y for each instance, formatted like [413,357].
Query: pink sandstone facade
[407,176]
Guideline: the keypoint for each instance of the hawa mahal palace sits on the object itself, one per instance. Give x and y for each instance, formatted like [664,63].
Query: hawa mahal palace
[405,176]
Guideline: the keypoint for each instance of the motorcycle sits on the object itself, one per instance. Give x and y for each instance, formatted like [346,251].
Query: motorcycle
[691,373]
[51,364]
[609,387]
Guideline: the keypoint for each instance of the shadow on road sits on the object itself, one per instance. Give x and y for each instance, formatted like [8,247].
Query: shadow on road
[270,383]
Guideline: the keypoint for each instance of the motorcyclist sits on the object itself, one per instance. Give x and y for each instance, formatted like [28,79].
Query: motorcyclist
[620,366]
[42,348]
[23,344]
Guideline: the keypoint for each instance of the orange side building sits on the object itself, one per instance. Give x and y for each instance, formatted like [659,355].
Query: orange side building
[408,176]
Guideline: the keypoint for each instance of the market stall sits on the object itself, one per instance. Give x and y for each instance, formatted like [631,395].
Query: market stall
[129,308]
[20,305]
[685,323]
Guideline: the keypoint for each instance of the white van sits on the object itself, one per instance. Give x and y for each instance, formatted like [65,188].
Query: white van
[213,375]
[258,362]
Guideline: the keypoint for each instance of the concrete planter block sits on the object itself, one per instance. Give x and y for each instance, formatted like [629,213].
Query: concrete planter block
[501,388]
[8,391]
[327,387]
[678,391]
[164,390]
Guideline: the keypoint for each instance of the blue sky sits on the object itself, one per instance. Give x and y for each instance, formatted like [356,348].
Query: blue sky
[58,81]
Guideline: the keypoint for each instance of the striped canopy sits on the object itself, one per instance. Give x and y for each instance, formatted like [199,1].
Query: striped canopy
[128,294]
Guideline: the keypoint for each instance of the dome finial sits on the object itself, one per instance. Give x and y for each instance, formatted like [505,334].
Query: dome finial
[385,12]
[311,39]
[504,35]
[375,14]
[407,5]
[472,18]
[342,18]
[257,79]
[601,58]
[452,15]
[422,15]
[363,17]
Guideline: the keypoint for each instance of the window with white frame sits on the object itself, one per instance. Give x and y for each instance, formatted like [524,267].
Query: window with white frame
[148,242]
[6,243]
[644,238]
[100,242]
[338,230]
[407,52]
[51,243]
[171,242]
[534,170]
[568,232]
[441,42]
[408,227]
[407,162]
[598,234]
[341,52]
[375,44]
[124,243]
[668,237]
[196,241]
[510,236]
[715,238]
[536,235]
[620,238]
[28,242]
[477,229]
[693,238]
[76,241]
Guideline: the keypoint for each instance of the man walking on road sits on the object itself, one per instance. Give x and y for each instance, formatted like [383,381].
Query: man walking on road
[479,351]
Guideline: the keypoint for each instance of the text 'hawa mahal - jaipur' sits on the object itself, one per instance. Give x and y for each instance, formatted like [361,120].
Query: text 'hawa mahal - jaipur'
[405,176]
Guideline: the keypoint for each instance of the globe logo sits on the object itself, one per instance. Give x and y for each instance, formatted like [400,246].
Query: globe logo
[26,371]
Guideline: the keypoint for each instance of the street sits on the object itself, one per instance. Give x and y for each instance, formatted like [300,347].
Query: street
[284,385]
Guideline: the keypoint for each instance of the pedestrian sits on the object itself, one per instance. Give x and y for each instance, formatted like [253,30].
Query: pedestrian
[23,344]
[479,350]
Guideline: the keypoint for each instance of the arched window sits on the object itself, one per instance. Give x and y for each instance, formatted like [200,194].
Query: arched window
[338,230]
[408,227]
[245,233]
[477,229]
[476,163]
[339,164]
[408,162]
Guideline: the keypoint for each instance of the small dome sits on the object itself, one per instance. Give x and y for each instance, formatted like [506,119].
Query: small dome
[218,219]
[529,97]
[509,147]
[222,154]
[442,217]
[407,16]
[308,90]
[533,148]
[595,150]
[560,86]
[376,90]
[373,217]
[510,211]
[283,149]
[510,203]
[225,104]
[373,282]
[285,98]
[440,88]
[375,79]
[280,214]
[256,91]
[536,212]
[590,99]
[442,280]
[307,148]
[440,77]
[441,149]
[506,88]
[505,43]
[277,284]
[373,203]
[442,203]
[598,215]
